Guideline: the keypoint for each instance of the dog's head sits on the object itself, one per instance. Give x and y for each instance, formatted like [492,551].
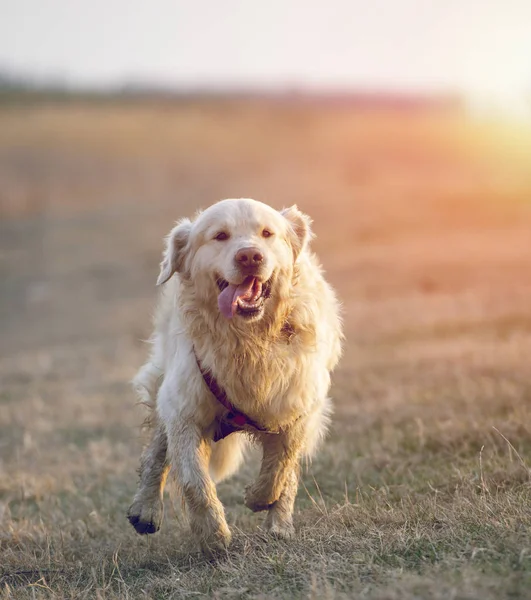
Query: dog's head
[239,251]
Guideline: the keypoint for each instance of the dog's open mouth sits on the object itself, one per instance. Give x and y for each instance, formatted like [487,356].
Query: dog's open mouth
[246,299]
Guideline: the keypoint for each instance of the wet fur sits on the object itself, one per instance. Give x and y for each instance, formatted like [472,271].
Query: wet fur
[275,369]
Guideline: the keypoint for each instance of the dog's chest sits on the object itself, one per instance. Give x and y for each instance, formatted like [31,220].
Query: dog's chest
[272,388]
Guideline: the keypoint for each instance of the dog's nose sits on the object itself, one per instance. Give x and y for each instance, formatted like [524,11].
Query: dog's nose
[249,257]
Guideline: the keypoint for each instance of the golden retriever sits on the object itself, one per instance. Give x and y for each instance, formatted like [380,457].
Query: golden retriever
[246,335]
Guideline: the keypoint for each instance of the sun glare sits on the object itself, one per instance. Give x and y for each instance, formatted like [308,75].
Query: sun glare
[499,84]
[506,104]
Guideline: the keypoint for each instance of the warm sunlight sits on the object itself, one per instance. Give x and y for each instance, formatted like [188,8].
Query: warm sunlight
[512,106]
[360,430]
[497,79]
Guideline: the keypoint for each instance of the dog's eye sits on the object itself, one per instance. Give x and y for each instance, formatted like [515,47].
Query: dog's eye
[221,236]
[266,233]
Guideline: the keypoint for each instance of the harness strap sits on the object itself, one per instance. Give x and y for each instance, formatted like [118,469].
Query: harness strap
[234,419]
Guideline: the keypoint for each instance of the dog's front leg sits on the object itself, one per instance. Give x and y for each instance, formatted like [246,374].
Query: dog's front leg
[189,453]
[279,519]
[279,461]
[145,514]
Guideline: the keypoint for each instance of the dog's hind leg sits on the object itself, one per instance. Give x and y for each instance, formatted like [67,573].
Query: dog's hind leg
[145,514]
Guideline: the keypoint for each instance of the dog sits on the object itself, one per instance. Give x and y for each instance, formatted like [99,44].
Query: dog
[246,334]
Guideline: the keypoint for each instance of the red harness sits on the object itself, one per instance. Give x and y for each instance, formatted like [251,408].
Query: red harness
[233,420]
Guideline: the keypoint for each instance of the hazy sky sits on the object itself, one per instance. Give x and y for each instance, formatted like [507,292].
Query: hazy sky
[404,44]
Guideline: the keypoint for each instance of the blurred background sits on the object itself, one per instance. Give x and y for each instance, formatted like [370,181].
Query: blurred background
[402,127]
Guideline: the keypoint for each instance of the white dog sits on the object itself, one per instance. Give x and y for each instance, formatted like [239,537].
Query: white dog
[245,338]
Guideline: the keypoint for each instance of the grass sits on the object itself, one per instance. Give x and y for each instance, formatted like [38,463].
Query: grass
[422,489]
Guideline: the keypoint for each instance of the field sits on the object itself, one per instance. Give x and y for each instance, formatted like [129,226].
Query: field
[423,223]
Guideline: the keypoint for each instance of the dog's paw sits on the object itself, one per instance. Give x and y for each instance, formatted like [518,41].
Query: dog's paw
[216,542]
[146,518]
[279,525]
[283,531]
[257,500]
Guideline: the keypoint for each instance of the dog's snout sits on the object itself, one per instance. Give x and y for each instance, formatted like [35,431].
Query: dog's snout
[249,257]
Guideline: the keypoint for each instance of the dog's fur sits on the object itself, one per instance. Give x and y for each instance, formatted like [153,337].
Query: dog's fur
[275,366]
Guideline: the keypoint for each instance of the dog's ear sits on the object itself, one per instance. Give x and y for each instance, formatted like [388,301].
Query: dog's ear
[173,257]
[300,231]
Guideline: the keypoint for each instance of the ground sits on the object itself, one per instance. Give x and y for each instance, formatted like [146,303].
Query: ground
[423,223]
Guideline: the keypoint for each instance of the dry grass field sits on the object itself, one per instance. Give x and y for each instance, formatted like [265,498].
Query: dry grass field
[422,489]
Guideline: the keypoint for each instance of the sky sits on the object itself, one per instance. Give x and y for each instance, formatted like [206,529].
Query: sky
[477,46]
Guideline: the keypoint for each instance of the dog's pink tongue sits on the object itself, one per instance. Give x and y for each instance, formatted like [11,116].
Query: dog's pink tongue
[228,299]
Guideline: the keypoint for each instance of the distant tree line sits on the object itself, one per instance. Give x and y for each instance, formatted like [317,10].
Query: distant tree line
[17,88]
